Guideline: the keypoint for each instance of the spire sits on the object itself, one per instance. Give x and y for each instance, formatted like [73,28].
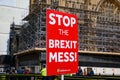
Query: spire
[13,23]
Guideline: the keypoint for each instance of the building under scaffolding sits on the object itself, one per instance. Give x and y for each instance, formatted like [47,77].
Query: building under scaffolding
[99,28]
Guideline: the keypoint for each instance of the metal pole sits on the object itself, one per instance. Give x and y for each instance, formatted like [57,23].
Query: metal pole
[62,77]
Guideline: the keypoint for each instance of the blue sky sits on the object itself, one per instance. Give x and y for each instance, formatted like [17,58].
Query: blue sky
[8,2]
[12,8]
[15,3]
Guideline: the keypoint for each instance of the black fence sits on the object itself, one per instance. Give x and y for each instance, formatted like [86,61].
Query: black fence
[20,77]
[39,77]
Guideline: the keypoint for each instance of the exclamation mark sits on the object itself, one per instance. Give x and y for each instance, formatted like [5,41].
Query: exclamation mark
[75,56]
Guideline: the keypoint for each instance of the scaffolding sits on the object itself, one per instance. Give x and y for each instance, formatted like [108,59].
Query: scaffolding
[108,29]
[98,29]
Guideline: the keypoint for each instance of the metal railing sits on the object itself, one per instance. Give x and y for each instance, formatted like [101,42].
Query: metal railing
[20,77]
[39,77]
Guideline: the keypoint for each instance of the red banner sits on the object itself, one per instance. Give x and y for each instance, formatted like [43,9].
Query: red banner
[61,43]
